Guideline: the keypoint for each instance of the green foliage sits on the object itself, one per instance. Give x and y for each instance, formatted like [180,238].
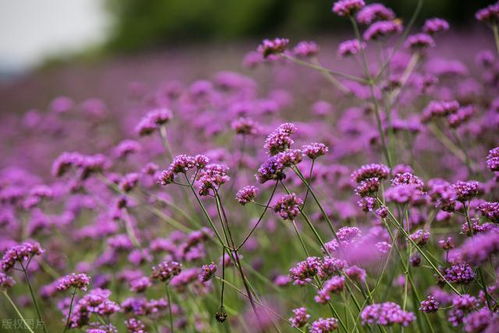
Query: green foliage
[153,23]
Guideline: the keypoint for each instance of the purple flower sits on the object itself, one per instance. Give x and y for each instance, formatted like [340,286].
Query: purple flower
[207,272]
[420,237]
[465,191]
[368,187]
[140,284]
[347,7]
[430,304]
[379,171]
[489,14]
[300,317]
[381,29]
[335,284]
[490,210]
[134,325]
[303,272]
[479,248]
[437,109]
[211,178]
[459,273]
[280,139]
[419,41]
[245,126]
[350,47]
[73,280]
[374,12]
[6,282]
[271,169]
[288,206]
[324,325]
[20,253]
[493,159]
[435,25]
[386,314]
[306,49]
[482,320]
[314,150]
[127,147]
[246,194]
[166,270]
[274,46]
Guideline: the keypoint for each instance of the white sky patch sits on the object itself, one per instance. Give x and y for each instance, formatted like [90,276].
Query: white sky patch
[32,30]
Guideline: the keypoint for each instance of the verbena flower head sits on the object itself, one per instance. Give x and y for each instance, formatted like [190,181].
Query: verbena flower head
[289,157]
[280,139]
[489,14]
[435,25]
[459,273]
[477,249]
[386,314]
[350,47]
[374,12]
[126,148]
[430,304]
[207,272]
[211,177]
[153,120]
[306,49]
[483,320]
[347,7]
[73,280]
[300,317]
[6,282]
[245,126]
[271,169]
[134,325]
[19,254]
[465,191]
[436,109]
[314,150]
[367,171]
[273,46]
[324,325]
[382,29]
[420,236]
[493,159]
[304,271]
[419,41]
[166,270]
[246,194]
[288,206]
[335,284]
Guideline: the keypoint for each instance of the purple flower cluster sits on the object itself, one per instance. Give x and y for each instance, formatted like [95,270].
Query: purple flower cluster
[324,325]
[166,270]
[386,314]
[246,194]
[280,139]
[288,206]
[153,120]
[300,317]
[350,47]
[20,254]
[347,7]
[73,280]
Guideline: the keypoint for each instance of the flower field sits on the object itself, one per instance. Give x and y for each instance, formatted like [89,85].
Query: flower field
[348,186]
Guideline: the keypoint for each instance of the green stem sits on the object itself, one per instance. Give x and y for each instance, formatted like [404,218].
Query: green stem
[34,298]
[170,306]
[70,310]
[17,311]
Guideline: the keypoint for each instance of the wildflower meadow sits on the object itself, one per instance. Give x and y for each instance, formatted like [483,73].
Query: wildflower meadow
[353,190]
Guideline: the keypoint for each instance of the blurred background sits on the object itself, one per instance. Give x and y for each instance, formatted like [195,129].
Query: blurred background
[49,37]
